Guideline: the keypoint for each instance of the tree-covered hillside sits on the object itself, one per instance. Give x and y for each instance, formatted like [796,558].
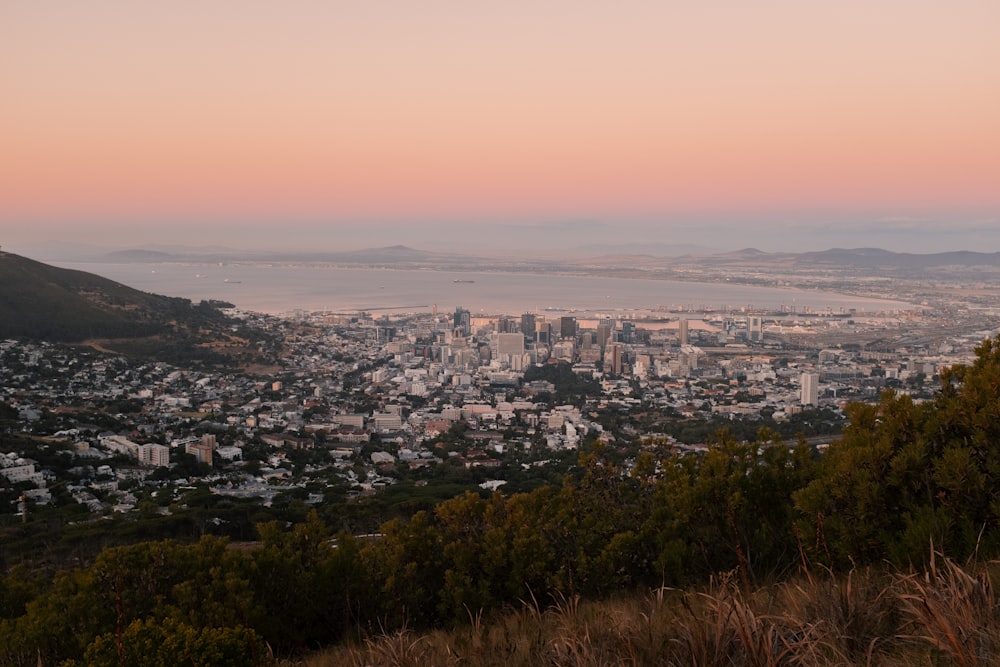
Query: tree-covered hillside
[44,302]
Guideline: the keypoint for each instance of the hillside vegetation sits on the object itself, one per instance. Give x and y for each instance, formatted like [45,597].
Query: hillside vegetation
[778,540]
[46,303]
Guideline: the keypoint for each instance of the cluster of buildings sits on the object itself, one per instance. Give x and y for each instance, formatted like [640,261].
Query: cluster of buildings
[366,401]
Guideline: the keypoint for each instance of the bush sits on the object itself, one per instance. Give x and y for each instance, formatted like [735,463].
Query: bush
[152,643]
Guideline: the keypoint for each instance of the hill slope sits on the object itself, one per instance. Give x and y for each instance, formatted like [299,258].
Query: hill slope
[44,302]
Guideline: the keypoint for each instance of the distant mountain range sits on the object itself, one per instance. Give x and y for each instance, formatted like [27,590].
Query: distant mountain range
[875,258]
[397,254]
[870,260]
[43,302]
[628,253]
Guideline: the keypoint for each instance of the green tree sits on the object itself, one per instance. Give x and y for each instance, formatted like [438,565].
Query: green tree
[729,508]
[309,585]
[407,559]
[856,504]
[474,553]
[59,623]
[168,643]
[905,475]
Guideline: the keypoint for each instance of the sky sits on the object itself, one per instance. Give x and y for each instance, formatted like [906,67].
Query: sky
[778,124]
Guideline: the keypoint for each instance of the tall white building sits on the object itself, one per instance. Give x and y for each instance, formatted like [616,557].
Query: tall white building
[810,389]
[154,455]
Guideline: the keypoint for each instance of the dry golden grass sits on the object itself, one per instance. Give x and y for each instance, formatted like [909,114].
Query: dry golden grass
[955,611]
[947,615]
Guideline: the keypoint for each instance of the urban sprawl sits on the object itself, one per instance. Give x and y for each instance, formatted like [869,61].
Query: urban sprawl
[361,402]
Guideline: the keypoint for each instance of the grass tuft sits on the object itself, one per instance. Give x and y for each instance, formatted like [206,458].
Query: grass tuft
[944,616]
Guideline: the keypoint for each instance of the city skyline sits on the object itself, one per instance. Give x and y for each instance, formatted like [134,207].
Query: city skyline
[782,126]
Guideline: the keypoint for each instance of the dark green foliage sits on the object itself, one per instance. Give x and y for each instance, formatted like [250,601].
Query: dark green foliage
[311,587]
[808,423]
[168,643]
[298,590]
[906,474]
[570,387]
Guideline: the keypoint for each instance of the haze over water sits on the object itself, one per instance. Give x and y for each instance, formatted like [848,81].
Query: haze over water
[279,288]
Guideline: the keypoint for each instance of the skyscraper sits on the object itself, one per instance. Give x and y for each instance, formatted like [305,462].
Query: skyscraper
[567,327]
[682,331]
[528,326]
[604,332]
[810,389]
[614,358]
[506,325]
[543,331]
[628,332]
[462,321]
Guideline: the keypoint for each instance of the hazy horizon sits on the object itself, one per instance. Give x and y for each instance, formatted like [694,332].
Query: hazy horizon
[551,127]
[560,239]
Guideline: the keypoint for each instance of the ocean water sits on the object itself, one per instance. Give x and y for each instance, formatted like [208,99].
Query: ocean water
[283,288]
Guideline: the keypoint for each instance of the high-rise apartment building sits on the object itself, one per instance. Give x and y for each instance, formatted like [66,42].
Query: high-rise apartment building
[154,455]
[810,389]
[202,449]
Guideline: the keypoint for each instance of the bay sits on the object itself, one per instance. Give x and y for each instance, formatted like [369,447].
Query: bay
[284,288]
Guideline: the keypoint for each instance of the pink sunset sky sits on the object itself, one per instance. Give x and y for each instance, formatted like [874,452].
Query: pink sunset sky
[141,118]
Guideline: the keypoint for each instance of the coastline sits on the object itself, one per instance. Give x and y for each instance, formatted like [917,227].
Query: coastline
[277,287]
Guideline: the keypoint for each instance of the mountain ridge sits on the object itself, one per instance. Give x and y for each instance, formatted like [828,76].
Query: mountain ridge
[402,254]
[874,260]
[43,302]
